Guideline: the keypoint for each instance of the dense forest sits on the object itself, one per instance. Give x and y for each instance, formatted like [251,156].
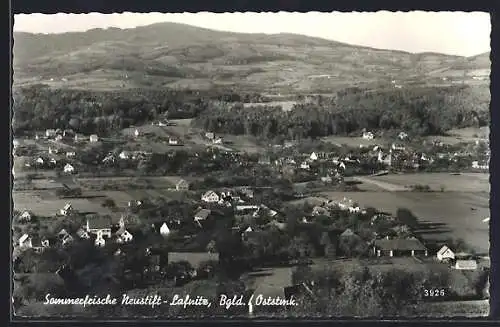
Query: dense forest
[424,111]
[419,111]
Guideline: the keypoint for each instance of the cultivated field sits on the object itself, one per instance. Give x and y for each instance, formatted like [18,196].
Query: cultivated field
[465,182]
[45,203]
[269,281]
[469,134]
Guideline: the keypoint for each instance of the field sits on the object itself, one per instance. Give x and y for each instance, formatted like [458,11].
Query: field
[242,143]
[269,281]
[469,134]
[45,203]
[465,182]
[351,141]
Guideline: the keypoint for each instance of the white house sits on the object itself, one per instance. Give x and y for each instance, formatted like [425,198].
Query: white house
[39,161]
[25,241]
[402,136]
[201,215]
[173,141]
[397,147]
[99,241]
[465,265]
[248,230]
[50,132]
[69,169]
[480,165]
[25,216]
[368,135]
[99,226]
[124,236]
[305,165]
[164,230]
[59,138]
[445,254]
[93,138]
[124,155]
[137,133]
[313,156]
[83,233]
[53,161]
[217,141]
[210,196]
[66,210]
[70,154]
[67,239]
[210,135]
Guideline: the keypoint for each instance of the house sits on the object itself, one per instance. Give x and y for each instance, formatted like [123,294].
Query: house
[182,185]
[137,133]
[248,230]
[39,244]
[319,211]
[124,155]
[202,215]
[385,159]
[53,161]
[480,165]
[134,203]
[66,210]
[402,136]
[99,226]
[217,140]
[313,156]
[399,247]
[69,169]
[67,239]
[305,165]
[39,161]
[210,196]
[368,136]
[99,241]
[70,154]
[93,138]
[25,241]
[445,254]
[465,265]
[164,230]
[397,147]
[124,236]
[109,159]
[82,233]
[173,141]
[209,135]
[50,132]
[59,137]
[25,216]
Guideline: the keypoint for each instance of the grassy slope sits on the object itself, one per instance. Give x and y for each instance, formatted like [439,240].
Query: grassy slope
[177,55]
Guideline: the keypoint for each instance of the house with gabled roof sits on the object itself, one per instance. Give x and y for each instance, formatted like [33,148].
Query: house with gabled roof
[445,254]
[165,230]
[123,236]
[399,247]
[66,210]
[93,138]
[25,241]
[99,225]
[25,216]
[202,215]
[69,169]
[99,241]
[210,196]
[182,185]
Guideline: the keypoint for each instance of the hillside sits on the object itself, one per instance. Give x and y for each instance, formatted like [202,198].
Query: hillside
[182,56]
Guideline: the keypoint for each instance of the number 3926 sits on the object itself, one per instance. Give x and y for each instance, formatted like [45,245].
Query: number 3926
[435,292]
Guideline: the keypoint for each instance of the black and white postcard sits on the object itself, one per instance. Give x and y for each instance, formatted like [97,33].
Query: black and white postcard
[251,165]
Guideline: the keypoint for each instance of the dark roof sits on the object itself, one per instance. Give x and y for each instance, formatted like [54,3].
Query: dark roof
[399,244]
[194,258]
[99,222]
[203,213]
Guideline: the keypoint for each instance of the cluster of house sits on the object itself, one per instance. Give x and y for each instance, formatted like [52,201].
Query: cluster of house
[67,134]
[172,140]
[53,159]
[370,135]
[210,136]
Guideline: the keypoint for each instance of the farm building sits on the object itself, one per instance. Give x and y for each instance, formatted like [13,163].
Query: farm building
[99,225]
[210,196]
[465,265]
[182,185]
[445,254]
[50,132]
[399,247]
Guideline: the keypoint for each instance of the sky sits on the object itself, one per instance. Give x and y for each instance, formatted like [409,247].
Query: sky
[456,33]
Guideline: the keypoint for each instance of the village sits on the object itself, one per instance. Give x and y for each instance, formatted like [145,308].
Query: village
[225,209]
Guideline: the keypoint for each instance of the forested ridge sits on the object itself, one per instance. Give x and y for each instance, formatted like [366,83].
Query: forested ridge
[421,111]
